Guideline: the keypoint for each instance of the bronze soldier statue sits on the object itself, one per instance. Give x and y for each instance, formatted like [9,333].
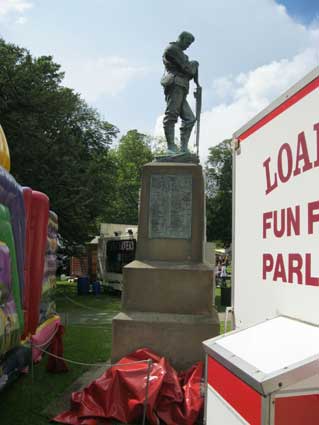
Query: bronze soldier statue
[179,70]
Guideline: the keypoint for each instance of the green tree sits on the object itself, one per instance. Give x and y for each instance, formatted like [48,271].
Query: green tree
[58,144]
[132,153]
[219,193]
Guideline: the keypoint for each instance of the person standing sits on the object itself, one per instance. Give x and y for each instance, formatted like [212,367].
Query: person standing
[223,274]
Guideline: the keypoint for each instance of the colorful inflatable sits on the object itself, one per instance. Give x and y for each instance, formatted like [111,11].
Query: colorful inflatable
[9,323]
[47,307]
[28,241]
[4,151]
[37,213]
[11,196]
[43,337]
[6,235]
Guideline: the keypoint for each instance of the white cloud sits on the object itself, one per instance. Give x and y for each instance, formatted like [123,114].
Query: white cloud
[18,6]
[102,76]
[249,93]
[281,9]
[159,130]
[21,20]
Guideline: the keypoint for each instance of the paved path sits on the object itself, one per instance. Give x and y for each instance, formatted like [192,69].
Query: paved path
[62,403]
[221,317]
[99,318]
[88,318]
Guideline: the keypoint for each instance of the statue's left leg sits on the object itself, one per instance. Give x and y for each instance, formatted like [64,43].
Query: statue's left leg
[188,121]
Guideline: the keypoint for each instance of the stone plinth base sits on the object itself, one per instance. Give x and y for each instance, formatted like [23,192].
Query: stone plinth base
[168,291]
[167,287]
[178,337]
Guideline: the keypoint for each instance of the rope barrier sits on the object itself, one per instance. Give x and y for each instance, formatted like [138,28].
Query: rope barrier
[108,364]
[92,326]
[85,306]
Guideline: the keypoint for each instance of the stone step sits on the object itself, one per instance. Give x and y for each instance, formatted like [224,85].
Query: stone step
[167,287]
[178,337]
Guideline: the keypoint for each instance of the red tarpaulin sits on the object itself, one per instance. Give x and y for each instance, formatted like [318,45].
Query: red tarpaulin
[174,398]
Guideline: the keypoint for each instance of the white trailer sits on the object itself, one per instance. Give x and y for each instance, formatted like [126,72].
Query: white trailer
[267,370]
[116,248]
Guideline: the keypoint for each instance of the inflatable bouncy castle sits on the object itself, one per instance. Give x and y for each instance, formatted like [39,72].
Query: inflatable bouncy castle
[28,241]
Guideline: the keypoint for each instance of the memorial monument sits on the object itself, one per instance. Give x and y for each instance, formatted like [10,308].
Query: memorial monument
[167,299]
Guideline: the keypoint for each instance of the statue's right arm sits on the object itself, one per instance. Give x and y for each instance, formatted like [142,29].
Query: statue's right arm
[187,67]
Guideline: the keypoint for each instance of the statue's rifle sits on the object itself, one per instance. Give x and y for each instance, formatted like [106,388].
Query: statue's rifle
[198,97]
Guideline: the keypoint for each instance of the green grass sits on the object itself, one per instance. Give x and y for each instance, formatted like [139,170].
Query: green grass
[23,402]
[68,300]
[222,327]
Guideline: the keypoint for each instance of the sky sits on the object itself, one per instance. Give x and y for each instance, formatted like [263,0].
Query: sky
[250,52]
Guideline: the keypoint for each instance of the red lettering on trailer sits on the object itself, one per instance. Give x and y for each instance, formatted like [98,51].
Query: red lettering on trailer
[270,185]
[294,267]
[278,268]
[313,215]
[310,280]
[285,222]
[268,264]
[266,223]
[302,155]
[279,230]
[284,176]
[286,166]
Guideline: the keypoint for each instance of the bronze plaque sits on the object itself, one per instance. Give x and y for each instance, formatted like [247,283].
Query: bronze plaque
[170,209]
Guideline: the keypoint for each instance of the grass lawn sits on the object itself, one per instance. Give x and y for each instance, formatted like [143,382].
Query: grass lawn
[22,403]
[89,342]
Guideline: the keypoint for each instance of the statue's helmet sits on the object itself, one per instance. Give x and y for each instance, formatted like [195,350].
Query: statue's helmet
[186,36]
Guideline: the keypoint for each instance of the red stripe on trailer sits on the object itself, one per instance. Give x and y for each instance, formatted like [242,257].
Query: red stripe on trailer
[246,401]
[281,108]
[297,410]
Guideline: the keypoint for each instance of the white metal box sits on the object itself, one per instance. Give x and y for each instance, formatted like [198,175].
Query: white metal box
[265,374]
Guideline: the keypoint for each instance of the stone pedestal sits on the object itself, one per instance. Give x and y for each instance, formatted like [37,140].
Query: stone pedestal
[167,299]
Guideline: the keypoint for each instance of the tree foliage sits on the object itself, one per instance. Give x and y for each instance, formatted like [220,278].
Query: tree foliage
[133,151]
[58,144]
[219,193]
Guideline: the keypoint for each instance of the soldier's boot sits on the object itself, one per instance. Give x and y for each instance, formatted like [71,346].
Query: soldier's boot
[185,135]
[170,137]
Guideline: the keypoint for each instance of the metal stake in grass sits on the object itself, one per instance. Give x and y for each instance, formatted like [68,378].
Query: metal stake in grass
[146,390]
